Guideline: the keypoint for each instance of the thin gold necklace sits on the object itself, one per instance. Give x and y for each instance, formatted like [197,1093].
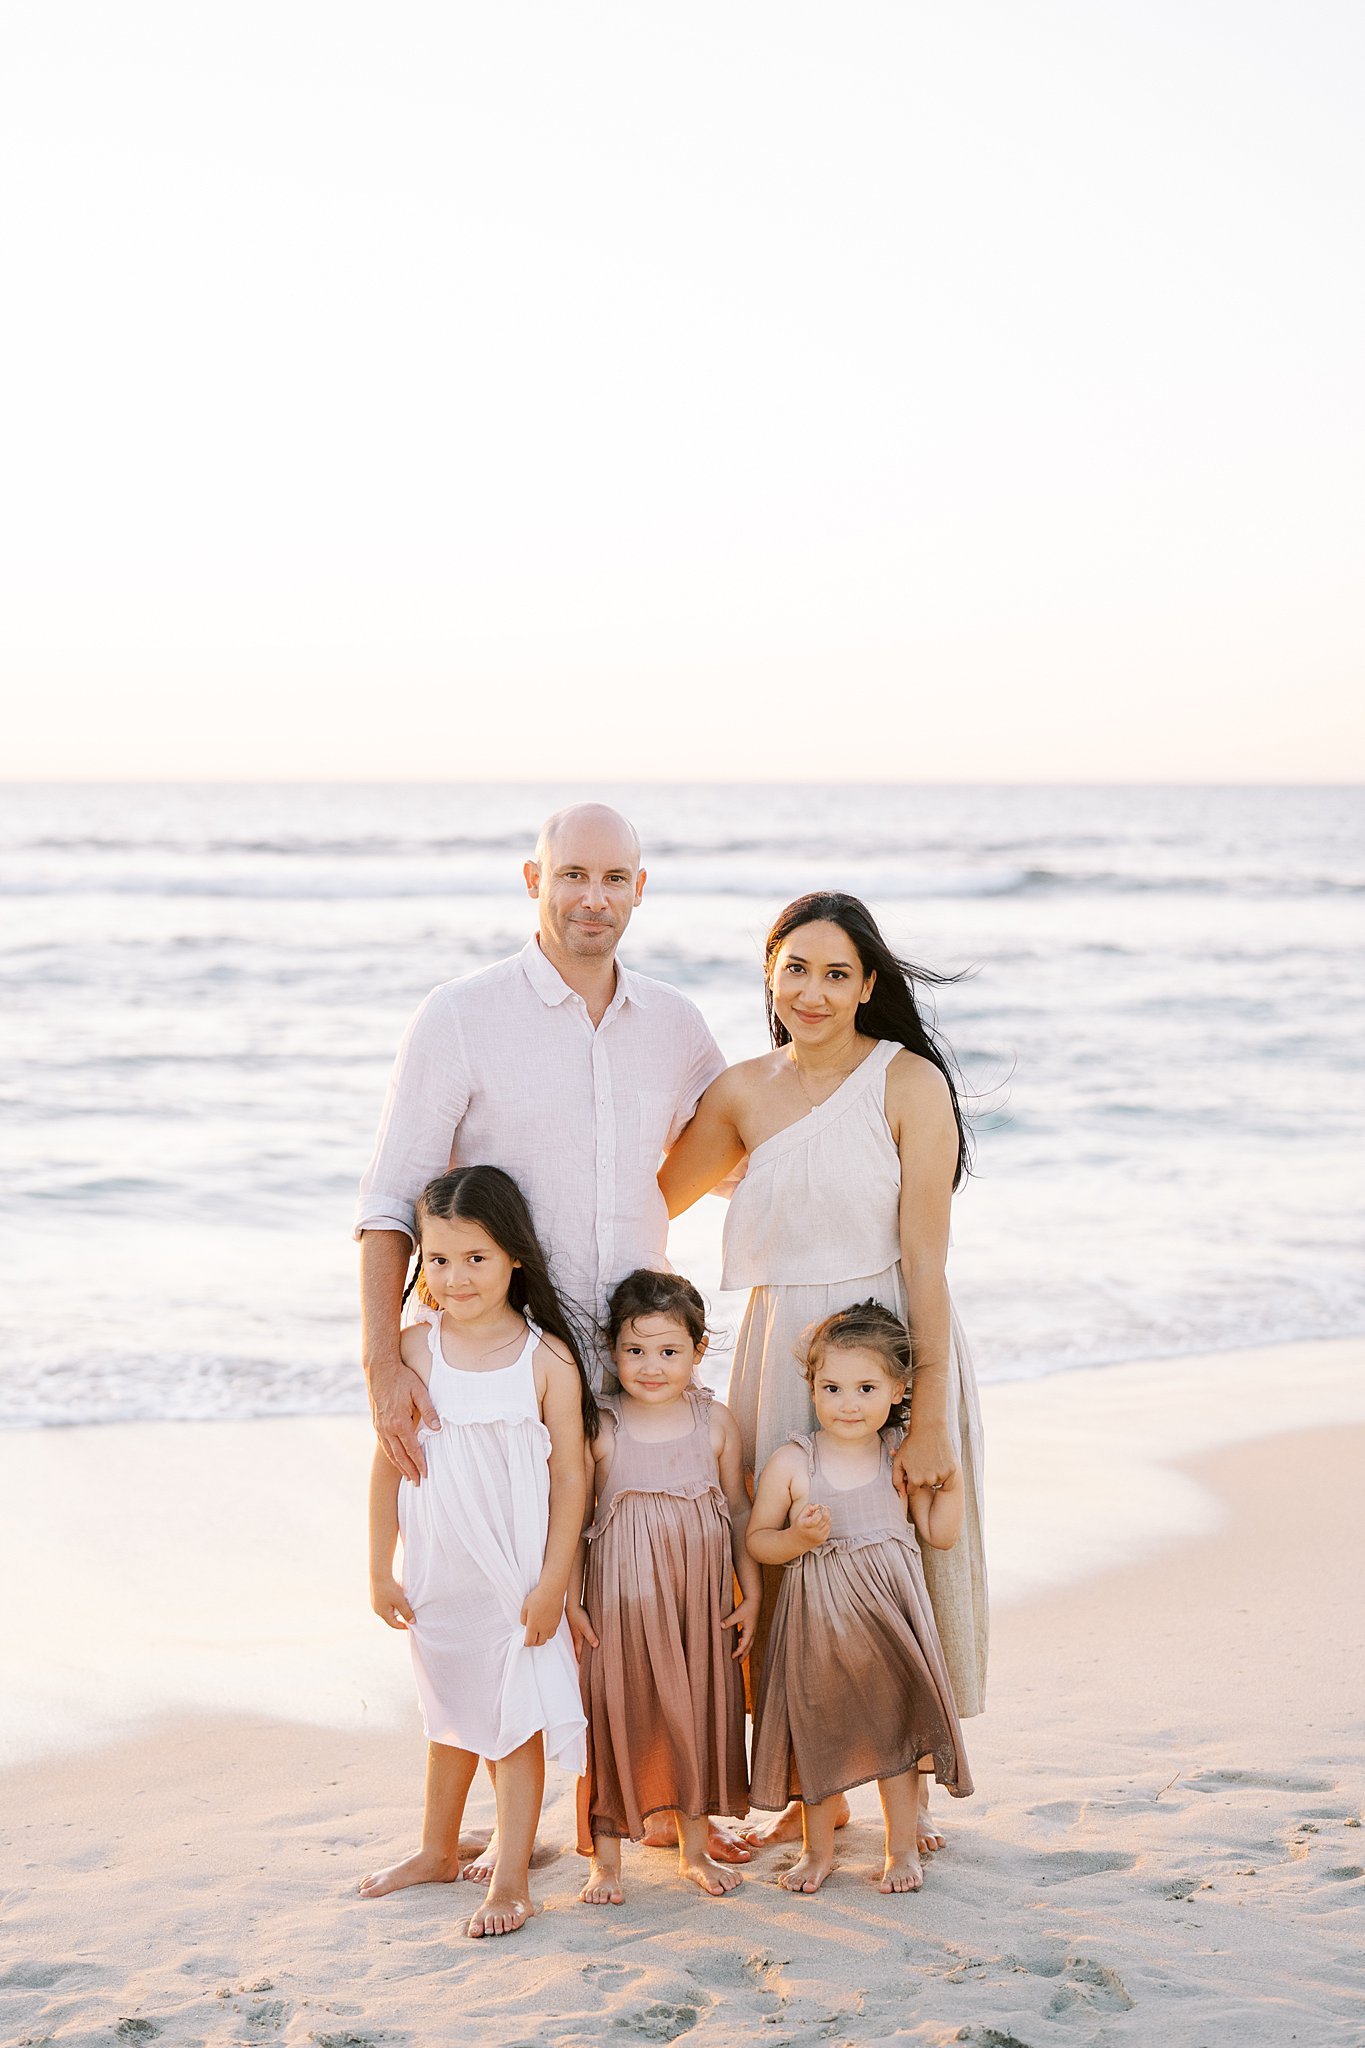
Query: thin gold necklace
[811,1099]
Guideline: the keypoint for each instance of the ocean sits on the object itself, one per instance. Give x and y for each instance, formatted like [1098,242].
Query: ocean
[1158,1025]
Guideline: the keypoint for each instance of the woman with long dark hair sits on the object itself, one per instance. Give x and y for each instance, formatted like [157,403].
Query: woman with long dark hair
[855,1140]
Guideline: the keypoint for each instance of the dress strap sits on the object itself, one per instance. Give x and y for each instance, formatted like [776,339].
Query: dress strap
[807,1444]
[434,1337]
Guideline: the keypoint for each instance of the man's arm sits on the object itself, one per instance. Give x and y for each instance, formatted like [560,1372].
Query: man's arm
[399,1401]
[427,1097]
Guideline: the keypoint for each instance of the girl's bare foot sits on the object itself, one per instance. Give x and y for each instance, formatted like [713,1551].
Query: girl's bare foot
[786,1826]
[903,1873]
[502,1912]
[428,1866]
[603,1887]
[808,1872]
[708,1875]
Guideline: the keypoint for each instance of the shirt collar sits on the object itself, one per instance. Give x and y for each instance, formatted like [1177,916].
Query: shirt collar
[551,987]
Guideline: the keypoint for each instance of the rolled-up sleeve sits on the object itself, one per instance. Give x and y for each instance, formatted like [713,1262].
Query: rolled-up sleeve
[427,1096]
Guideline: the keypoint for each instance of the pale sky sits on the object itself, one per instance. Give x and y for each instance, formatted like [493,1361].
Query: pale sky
[954,391]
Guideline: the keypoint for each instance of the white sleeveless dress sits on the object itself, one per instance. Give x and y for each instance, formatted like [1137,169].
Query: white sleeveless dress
[473,1547]
[813,1227]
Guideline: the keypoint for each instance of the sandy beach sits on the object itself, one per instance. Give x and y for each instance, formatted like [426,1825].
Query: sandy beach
[212,1739]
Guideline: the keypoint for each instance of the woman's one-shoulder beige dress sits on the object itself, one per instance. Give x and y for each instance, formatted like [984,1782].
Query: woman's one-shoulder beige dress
[813,1227]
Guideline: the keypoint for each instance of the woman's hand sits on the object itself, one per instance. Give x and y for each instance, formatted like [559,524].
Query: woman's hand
[812,1526]
[390,1602]
[926,1458]
[580,1628]
[742,1621]
[542,1611]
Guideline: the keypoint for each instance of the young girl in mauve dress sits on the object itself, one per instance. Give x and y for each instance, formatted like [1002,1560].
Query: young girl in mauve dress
[490,1533]
[659,1631]
[854,1685]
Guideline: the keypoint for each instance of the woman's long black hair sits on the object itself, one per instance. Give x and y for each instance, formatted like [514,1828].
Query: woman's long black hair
[891,1010]
[491,1198]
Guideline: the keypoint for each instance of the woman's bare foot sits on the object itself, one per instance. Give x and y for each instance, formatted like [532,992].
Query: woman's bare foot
[502,1912]
[808,1872]
[604,1887]
[724,1844]
[428,1866]
[903,1873]
[786,1826]
[928,1838]
[708,1875]
[479,1869]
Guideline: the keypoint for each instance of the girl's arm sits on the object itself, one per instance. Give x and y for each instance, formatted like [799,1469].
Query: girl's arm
[386,1594]
[920,1112]
[580,1627]
[562,1413]
[937,1513]
[708,1149]
[781,1486]
[730,1468]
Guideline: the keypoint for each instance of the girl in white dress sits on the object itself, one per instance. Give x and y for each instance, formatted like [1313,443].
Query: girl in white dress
[489,1535]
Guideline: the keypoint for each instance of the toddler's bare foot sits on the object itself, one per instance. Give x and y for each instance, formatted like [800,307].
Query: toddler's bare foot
[426,1867]
[661,1831]
[603,1887]
[708,1875]
[903,1873]
[808,1872]
[786,1826]
[504,1911]
[727,1845]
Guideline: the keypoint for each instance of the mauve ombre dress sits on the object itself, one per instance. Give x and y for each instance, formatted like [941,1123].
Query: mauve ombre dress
[813,1227]
[854,1684]
[663,1695]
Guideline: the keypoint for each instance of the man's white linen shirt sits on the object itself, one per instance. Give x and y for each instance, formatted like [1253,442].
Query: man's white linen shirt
[502,1067]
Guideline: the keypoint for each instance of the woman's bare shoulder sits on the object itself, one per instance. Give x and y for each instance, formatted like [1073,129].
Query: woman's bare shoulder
[913,1080]
[739,1081]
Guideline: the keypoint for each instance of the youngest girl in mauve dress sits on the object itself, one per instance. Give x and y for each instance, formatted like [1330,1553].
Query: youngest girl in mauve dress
[658,1629]
[854,1686]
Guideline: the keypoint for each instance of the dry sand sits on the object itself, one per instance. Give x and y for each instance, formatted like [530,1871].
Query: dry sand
[1165,1847]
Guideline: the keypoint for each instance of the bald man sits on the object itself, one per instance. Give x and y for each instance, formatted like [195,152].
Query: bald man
[568,1070]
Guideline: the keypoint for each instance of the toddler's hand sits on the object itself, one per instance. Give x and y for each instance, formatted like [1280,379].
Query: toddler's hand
[542,1611]
[580,1628]
[812,1525]
[390,1603]
[742,1621]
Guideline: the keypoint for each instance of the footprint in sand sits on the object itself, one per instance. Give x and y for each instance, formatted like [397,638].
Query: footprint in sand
[137,2030]
[1062,1865]
[1253,1781]
[659,2022]
[32,1976]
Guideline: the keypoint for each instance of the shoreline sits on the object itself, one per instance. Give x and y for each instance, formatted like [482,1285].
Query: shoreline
[1165,1844]
[191,1566]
